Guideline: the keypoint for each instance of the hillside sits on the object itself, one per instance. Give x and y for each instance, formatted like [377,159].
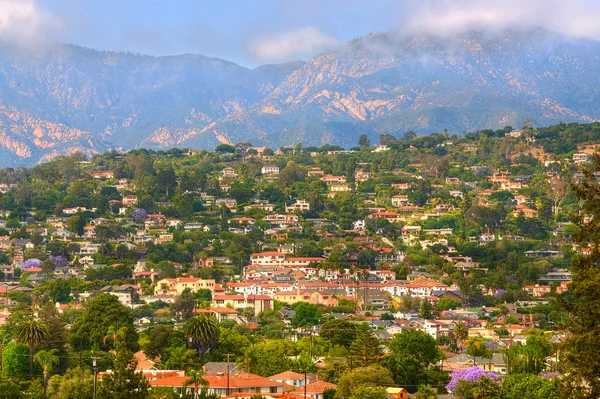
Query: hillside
[67,98]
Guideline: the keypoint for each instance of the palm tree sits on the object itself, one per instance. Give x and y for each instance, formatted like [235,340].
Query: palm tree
[247,361]
[203,333]
[115,335]
[31,332]
[196,379]
[460,333]
[47,360]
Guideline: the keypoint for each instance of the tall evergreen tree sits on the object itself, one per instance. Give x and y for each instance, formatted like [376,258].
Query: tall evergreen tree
[124,382]
[366,346]
[581,361]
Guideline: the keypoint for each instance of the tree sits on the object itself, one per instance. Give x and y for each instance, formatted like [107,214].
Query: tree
[102,313]
[410,355]
[75,383]
[31,332]
[483,388]
[59,290]
[426,310]
[48,266]
[338,332]
[14,360]
[529,386]
[157,340]
[10,389]
[363,141]
[291,174]
[225,149]
[196,379]
[184,304]
[268,358]
[460,334]
[203,333]
[425,392]
[373,376]
[76,224]
[306,315]
[582,346]
[366,346]
[368,392]
[124,382]
[47,360]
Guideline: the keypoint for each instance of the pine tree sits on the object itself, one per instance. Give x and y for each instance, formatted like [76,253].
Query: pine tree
[582,346]
[124,382]
[366,346]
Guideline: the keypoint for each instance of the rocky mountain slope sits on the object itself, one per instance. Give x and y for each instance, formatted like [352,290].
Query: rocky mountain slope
[67,98]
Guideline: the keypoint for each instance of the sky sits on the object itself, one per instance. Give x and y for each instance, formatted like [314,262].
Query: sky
[254,32]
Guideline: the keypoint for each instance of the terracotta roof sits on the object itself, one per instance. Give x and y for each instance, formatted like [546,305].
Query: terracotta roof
[241,380]
[317,387]
[286,375]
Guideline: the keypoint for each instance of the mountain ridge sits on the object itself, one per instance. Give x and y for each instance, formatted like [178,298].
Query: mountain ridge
[77,99]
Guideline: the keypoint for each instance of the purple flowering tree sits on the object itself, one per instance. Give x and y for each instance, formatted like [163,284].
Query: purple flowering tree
[491,345]
[472,374]
[499,292]
[139,214]
[550,375]
[59,261]
[31,263]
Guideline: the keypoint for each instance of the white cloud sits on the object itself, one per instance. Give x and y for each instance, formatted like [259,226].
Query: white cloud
[575,17]
[25,20]
[291,44]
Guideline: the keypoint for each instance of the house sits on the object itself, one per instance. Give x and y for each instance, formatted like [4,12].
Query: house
[228,173]
[103,175]
[269,170]
[129,200]
[399,200]
[220,313]
[262,206]
[127,294]
[291,378]
[381,147]
[72,211]
[579,159]
[331,179]
[175,286]
[392,217]
[339,187]
[397,393]
[360,176]
[236,301]
[537,290]
[267,258]
[299,205]
[526,212]
[222,385]
[315,390]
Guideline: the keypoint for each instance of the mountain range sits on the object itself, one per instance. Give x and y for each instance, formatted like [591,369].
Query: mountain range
[64,98]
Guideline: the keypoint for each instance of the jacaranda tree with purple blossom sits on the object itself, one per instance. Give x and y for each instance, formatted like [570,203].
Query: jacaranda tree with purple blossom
[59,261]
[472,374]
[139,214]
[31,263]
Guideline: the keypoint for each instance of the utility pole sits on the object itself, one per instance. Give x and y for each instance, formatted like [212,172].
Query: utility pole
[305,382]
[1,350]
[227,374]
[95,364]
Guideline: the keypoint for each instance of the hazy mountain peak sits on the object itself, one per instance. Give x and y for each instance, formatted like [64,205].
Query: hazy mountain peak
[66,98]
